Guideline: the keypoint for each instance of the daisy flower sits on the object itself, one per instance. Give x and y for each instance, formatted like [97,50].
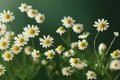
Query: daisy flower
[32,13]
[69,53]
[6,16]
[91,75]
[59,49]
[46,41]
[116,33]
[7,56]
[50,54]
[39,18]
[68,21]
[31,31]
[115,64]
[77,28]
[101,25]
[84,35]
[81,65]
[61,30]
[9,35]
[16,49]
[115,54]
[24,7]
[82,44]
[74,62]
[2,70]
[66,71]
[28,50]
[2,28]
[35,53]
[4,43]
[74,45]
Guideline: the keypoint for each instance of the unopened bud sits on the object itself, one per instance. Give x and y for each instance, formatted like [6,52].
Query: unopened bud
[102,48]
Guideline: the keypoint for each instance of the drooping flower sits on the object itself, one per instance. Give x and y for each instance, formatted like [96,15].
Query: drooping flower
[116,33]
[2,29]
[61,30]
[84,35]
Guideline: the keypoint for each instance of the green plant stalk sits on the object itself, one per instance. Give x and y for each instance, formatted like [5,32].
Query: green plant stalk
[64,41]
[69,40]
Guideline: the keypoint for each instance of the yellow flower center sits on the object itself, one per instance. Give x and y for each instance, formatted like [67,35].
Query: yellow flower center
[67,71]
[60,47]
[7,55]
[115,64]
[78,27]
[2,43]
[21,40]
[101,25]
[61,28]
[25,7]
[37,53]
[16,48]
[1,69]
[28,49]
[82,44]
[33,12]
[0,29]
[91,74]
[75,60]
[115,53]
[49,54]
[68,21]
[46,41]
[41,17]
[31,31]
[6,16]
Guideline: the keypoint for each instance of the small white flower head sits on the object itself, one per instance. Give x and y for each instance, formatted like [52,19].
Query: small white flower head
[74,62]
[91,75]
[66,71]
[69,53]
[81,65]
[7,56]
[24,7]
[102,48]
[9,35]
[68,21]
[84,35]
[32,13]
[31,31]
[2,70]
[82,44]
[35,53]
[40,18]
[20,40]
[74,45]
[4,43]
[44,62]
[2,29]
[6,16]
[46,41]
[61,30]
[28,50]
[50,54]
[101,25]
[78,28]
[16,49]
[115,54]
[59,49]
[116,33]
[35,60]
[115,65]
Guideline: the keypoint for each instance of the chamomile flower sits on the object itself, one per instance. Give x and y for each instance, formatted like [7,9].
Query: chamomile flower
[4,43]
[91,75]
[82,44]
[61,30]
[74,62]
[2,28]
[2,70]
[69,53]
[77,28]
[59,49]
[46,41]
[7,56]
[20,40]
[50,54]
[32,13]
[74,45]
[28,50]
[16,49]
[84,35]
[66,71]
[24,7]
[81,65]
[115,54]
[31,31]
[40,18]
[68,21]
[115,64]
[35,53]
[6,16]
[101,25]
[9,35]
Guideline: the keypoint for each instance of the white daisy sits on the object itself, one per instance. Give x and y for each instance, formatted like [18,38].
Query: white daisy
[31,31]
[24,7]
[32,13]
[46,41]
[7,56]
[115,54]
[84,35]
[66,71]
[6,16]
[44,62]
[59,49]
[2,28]
[9,35]
[82,44]
[35,53]
[101,25]
[77,28]
[68,21]
[74,45]
[28,50]
[61,30]
[81,65]
[102,48]
[4,43]
[2,70]
[69,53]
[116,33]
[74,62]
[50,54]
[40,18]
[16,49]
[115,64]
[91,75]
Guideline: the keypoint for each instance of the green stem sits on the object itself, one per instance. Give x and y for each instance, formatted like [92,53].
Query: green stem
[32,43]
[64,41]
[69,40]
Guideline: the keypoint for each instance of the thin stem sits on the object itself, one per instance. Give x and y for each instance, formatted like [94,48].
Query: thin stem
[95,42]
[33,43]
[64,41]
[69,36]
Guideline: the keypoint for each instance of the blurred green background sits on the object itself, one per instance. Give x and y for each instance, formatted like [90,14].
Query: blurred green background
[83,11]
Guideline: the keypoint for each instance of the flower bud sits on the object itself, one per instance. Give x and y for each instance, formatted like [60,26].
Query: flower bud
[102,48]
